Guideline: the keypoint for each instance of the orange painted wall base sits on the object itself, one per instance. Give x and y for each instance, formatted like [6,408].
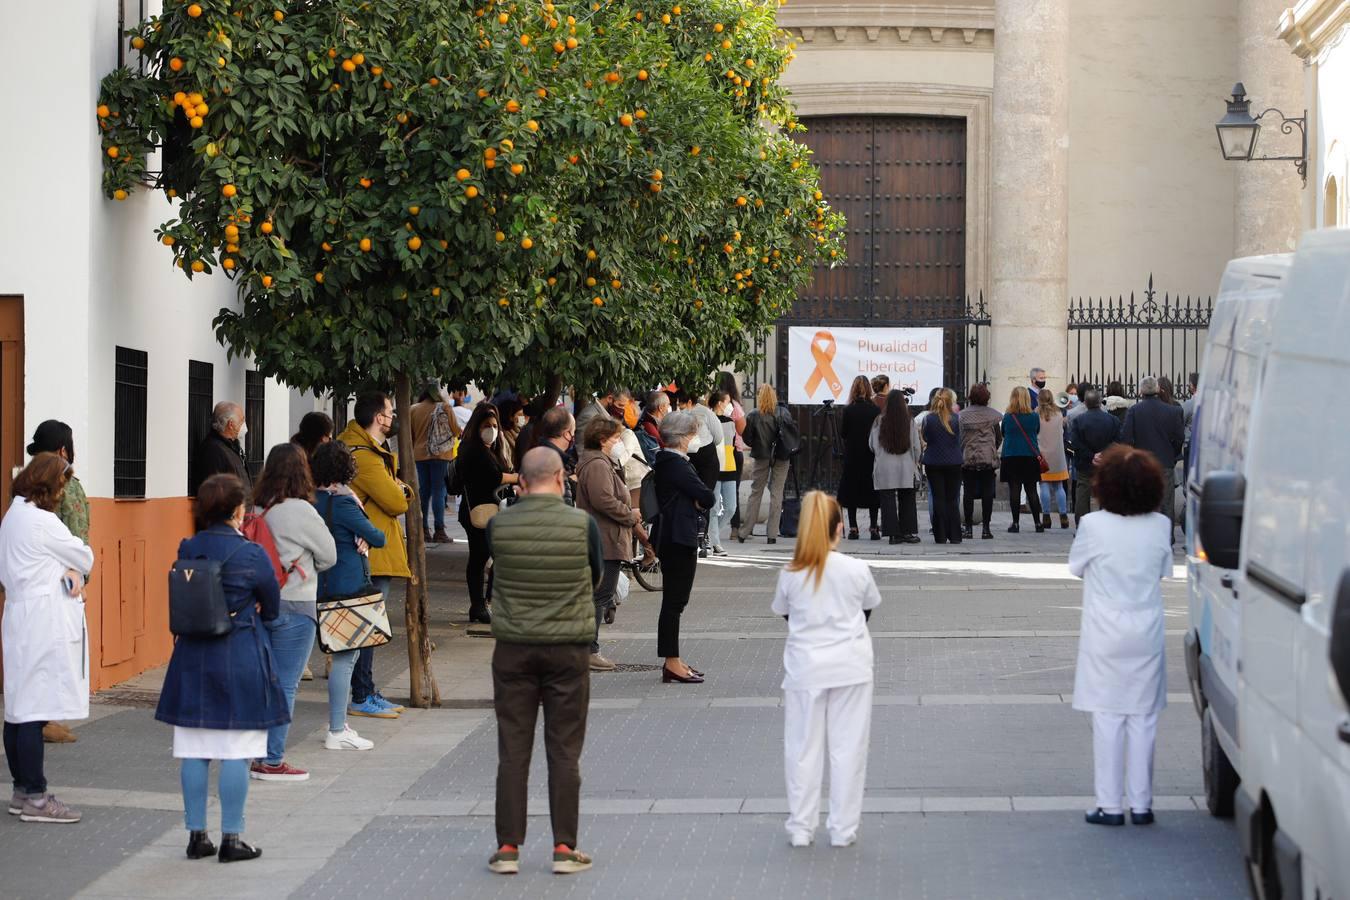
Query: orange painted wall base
[127,601]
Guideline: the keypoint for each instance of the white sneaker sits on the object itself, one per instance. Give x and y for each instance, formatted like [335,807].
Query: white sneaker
[800,840]
[347,740]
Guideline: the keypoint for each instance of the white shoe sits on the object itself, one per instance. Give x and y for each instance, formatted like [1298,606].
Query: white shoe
[800,840]
[844,842]
[347,740]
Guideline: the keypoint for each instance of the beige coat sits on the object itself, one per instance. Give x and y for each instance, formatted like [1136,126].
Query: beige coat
[602,493]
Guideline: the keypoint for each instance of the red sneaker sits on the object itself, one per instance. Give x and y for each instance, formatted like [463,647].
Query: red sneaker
[280,772]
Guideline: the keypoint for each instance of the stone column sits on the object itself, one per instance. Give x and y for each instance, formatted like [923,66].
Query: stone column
[1269,194]
[1029,239]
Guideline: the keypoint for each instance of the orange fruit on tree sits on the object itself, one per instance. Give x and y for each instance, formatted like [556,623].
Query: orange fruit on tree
[278,15]
[741,201]
[499,237]
[266,227]
[471,192]
[138,43]
[176,64]
[318,276]
[198,265]
[414,210]
[559,46]
[433,81]
[194,11]
[359,59]
[571,43]
[591,254]
[366,182]
[526,243]
[612,77]
[435,292]
[590,281]
[598,301]
[196,122]
[377,70]
[655,187]
[202,109]
[348,66]
[542,92]
[718,27]
[113,151]
[665,18]
[231,232]
[625,120]
[463,174]
[524,40]
[616,284]
[229,190]
[489,152]
[167,240]
[517,168]
[490,163]
[532,125]
[643,75]
[414,243]
[365,245]
[512,106]
[267,281]
[102,111]
[503,303]
[641,114]
[657,175]
[227,263]
[327,247]
[503,18]
[119,194]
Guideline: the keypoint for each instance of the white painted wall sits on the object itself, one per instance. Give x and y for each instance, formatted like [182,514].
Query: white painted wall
[91,272]
[1329,140]
[1148,190]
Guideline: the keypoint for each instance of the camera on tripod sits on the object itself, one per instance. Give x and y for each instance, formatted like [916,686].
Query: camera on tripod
[908,391]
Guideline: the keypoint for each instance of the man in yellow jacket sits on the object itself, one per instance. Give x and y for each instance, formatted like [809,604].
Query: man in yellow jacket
[385,498]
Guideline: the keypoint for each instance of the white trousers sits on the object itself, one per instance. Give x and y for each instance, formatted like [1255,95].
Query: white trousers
[841,717]
[1122,752]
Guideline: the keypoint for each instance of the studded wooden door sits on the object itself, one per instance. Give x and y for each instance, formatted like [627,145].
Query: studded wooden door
[901,183]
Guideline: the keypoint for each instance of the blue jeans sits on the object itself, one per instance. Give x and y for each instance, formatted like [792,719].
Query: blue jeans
[722,511]
[195,776]
[340,688]
[363,674]
[292,640]
[1052,490]
[431,487]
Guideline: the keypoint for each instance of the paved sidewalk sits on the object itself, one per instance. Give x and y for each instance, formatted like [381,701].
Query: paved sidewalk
[978,768]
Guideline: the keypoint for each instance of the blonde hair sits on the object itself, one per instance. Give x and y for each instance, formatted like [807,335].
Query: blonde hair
[1047,407]
[1020,401]
[816,533]
[943,402]
[766,400]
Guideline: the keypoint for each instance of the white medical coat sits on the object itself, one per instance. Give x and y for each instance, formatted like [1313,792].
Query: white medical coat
[46,644]
[828,644]
[1122,561]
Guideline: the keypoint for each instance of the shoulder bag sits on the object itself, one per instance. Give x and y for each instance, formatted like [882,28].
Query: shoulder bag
[356,620]
[1040,460]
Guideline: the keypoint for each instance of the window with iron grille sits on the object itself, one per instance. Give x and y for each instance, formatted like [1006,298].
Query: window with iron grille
[129,423]
[255,393]
[201,398]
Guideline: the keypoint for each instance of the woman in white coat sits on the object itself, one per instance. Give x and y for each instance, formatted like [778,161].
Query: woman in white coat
[1122,553]
[43,568]
[827,598]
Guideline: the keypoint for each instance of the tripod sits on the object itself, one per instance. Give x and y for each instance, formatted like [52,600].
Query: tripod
[829,431]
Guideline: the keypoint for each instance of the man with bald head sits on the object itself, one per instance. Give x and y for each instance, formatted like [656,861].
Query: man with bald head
[221,452]
[547,559]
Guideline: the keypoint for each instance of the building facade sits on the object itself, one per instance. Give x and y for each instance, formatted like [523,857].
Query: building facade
[1318,33]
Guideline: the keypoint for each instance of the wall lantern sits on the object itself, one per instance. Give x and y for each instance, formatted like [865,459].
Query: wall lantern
[1238,131]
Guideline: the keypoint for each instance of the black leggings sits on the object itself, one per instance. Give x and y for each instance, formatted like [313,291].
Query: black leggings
[1033,500]
[978,483]
[946,482]
[853,516]
[678,564]
[23,750]
[479,554]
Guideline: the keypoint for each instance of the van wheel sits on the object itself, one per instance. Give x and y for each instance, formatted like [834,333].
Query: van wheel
[1221,779]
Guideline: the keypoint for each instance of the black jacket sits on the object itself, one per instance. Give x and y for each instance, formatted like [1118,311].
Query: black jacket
[1158,427]
[683,498]
[218,456]
[763,434]
[1091,432]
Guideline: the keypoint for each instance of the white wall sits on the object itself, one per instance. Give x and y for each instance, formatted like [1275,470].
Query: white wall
[92,274]
[1148,190]
[1329,137]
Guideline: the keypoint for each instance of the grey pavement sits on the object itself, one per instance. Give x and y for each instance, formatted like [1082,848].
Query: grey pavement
[979,768]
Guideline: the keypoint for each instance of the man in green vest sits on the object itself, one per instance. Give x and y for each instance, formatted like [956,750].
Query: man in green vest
[547,559]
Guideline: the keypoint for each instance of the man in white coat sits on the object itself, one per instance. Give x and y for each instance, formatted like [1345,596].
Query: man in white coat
[1122,553]
[46,647]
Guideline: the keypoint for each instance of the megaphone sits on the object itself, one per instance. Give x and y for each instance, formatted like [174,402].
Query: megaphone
[1062,400]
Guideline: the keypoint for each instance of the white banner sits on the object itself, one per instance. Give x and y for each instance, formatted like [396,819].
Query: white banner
[823,361]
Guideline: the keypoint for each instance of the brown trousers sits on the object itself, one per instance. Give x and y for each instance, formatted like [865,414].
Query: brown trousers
[523,677]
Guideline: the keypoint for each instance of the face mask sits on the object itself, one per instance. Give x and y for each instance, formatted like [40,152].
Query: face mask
[616,452]
[694,444]
[490,435]
[520,421]
[243,431]
[1039,384]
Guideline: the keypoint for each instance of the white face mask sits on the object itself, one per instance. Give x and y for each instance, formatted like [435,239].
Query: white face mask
[520,421]
[490,434]
[243,431]
[616,452]
[694,444]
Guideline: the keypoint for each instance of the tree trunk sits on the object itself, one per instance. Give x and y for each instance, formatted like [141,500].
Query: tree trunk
[422,689]
[553,390]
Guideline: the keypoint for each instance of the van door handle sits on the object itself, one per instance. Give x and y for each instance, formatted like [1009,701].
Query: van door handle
[1343,732]
[1227,581]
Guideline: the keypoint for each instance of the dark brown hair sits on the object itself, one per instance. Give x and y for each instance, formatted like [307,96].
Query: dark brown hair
[285,476]
[1128,481]
[43,481]
[599,430]
[314,428]
[893,433]
[860,390]
[333,463]
[217,499]
[979,394]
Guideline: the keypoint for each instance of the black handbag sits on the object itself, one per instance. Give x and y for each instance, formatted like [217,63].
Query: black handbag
[197,604]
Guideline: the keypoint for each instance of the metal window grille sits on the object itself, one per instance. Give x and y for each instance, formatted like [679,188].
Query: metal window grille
[129,423]
[255,411]
[201,399]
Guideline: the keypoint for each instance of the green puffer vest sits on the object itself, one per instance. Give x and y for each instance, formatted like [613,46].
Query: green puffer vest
[541,582]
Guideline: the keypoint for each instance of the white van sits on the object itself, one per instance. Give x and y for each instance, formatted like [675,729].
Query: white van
[1230,376]
[1284,528]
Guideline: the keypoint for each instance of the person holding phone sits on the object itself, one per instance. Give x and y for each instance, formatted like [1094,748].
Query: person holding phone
[46,644]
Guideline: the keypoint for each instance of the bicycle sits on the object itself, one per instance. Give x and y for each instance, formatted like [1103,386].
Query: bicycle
[648,575]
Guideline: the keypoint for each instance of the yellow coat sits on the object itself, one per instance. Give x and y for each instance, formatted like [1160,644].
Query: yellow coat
[383,497]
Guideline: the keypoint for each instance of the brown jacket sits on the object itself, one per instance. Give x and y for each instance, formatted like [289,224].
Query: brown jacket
[421,427]
[602,493]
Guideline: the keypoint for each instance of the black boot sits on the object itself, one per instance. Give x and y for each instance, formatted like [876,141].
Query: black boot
[479,615]
[969,532]
[199,845]
[1014,528]
[987,534]
[234,850]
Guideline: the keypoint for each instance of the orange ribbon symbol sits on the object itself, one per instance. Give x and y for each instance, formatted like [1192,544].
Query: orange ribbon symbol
[824,371]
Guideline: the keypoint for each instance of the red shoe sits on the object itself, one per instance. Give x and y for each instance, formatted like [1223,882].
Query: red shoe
[280,772]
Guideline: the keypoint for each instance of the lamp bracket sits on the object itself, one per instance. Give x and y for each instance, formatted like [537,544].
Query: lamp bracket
[1287,126]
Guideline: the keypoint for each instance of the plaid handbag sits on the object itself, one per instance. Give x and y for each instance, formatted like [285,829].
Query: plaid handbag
[351,623]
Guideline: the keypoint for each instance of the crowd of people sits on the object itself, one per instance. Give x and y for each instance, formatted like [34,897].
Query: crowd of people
[554,506]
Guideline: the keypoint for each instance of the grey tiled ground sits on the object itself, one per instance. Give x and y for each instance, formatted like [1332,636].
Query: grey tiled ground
[56,861]
[976,750]
[1007,856]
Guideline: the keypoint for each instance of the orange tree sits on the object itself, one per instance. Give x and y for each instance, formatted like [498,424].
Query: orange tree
[538,192]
